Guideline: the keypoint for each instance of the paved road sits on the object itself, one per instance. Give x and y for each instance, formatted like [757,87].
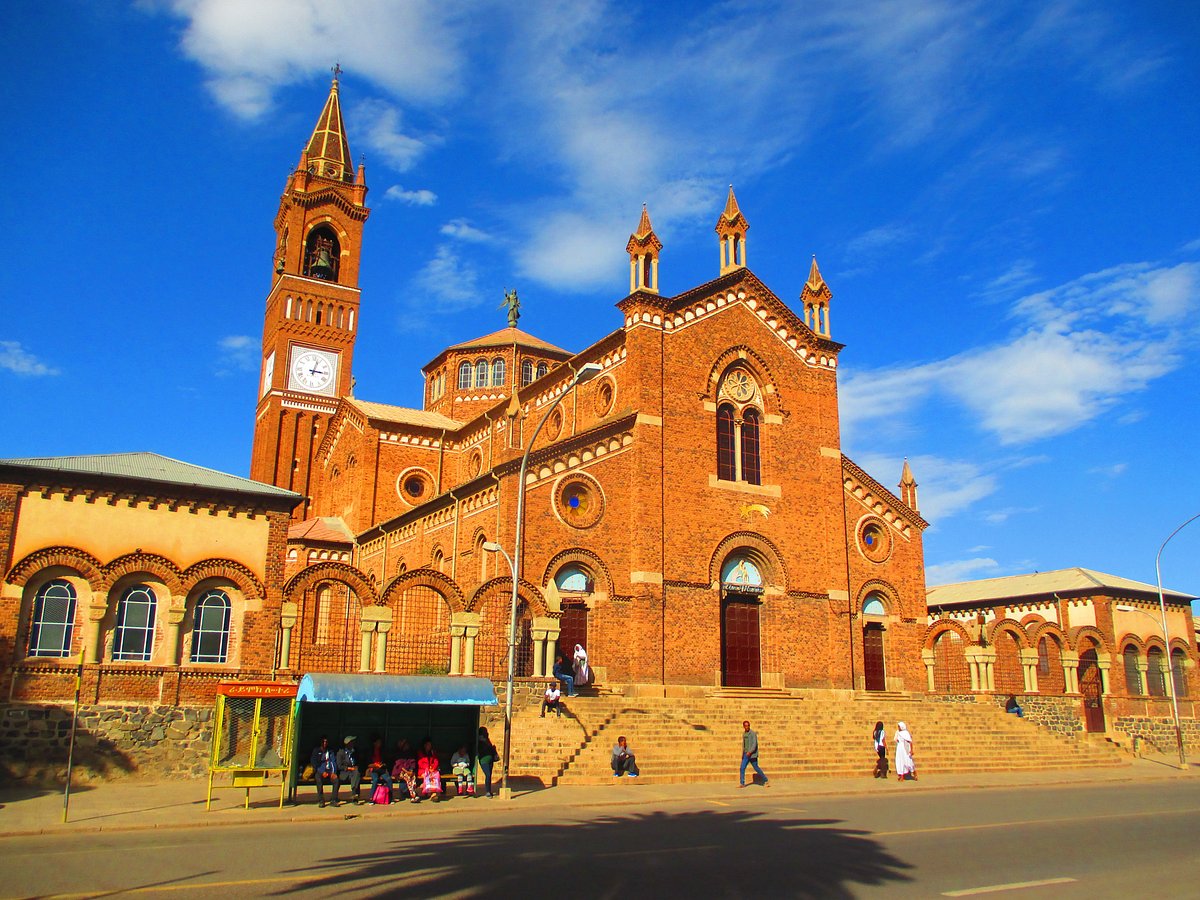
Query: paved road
[1086,841]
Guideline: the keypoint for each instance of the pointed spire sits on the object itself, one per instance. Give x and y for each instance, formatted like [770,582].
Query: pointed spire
[731,230]
[815,297]
[908,487]
[643,249]
[815,281]
[328,151]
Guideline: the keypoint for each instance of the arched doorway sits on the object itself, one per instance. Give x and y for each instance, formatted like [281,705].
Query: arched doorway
[741,591]
[1091,687]
[575,585]
[951,674]
[1009,677]
[874,670]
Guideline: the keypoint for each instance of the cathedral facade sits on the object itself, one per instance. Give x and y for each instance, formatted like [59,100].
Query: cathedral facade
[687,512]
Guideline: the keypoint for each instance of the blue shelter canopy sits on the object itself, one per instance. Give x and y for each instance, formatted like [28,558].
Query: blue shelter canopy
[441,690]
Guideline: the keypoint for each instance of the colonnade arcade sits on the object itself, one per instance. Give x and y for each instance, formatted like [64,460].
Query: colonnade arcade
[333,619]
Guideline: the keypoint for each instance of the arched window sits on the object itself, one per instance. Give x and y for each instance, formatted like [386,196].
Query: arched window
[1043,657]
[1179,672]
[322,254]
[526,372]
[133,640]
[751,472]
[542,369]
[436,560]
[498,373]
[481,373]
[873,605]
[1156,682]
[726,470]
[464,376]
[322,614]
[1133,678]
[210,628]
[53,619]
[574,579]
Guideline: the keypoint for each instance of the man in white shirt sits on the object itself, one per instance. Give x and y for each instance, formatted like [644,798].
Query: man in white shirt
[552,699]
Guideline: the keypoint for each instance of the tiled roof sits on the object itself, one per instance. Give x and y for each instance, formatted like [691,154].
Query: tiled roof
[506,336]
[330,529]
[328,142]
[1039,583]
[402,415]
[147,467]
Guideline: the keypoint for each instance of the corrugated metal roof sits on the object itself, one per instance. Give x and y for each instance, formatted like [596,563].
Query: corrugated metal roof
[1058,581]
[402,415]
[322,687]
[148,467]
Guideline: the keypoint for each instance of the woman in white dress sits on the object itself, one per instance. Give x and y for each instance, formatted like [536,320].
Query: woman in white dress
[904,753]
[582,673]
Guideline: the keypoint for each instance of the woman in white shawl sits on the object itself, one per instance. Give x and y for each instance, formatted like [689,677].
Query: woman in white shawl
[904,753]
[582,674]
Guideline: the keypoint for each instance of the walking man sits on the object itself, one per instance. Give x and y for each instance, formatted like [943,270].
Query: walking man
[750,756]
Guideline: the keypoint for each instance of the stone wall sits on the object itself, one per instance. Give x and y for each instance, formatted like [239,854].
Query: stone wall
[111,741]
[1158,735]
[1058,714]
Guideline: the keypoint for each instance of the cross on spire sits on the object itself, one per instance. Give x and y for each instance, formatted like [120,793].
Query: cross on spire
[336,70]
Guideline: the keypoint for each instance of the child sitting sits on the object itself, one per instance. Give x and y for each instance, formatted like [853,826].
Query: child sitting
[461,768]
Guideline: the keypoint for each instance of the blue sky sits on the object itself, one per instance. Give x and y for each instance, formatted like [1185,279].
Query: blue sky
[1002,197]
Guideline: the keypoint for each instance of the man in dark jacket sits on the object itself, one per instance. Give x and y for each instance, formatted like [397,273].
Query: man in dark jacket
[348,770]
[325,768]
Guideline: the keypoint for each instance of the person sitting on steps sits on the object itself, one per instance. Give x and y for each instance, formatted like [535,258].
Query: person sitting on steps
[1013,707]
[552,700]
[623,760]
[564,673]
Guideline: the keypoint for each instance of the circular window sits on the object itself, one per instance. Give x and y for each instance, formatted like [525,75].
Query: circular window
[476,464]
[604,397]
[555,425]
[874,540]
[579,501]
[414,486]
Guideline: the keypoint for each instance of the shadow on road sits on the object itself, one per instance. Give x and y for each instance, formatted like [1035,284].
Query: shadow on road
[699,854]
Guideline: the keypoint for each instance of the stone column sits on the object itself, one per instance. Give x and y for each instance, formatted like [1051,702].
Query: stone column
[539,652]
[368,630]
[1104,663]
[381,632]
[1143,667]
[1029,664]
[289,612]
[988,658]
[175,614]
[467,625]
[93,641]
[975,667]
[1070,662]
[456,646]
[553,629]
[927,657]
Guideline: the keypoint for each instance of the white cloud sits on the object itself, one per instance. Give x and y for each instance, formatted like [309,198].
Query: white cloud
[420,197]
[463,230]
[380,125]
[1081,348]
[873,242]
[450,282]
[237,353]
[1113,471]
[960,570]
[20,361]
[999,516]
[945,486]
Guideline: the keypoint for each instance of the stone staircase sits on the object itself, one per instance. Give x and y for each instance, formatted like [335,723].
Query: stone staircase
[698,739]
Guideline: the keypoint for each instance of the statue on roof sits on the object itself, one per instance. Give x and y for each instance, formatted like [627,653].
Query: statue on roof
[513,304]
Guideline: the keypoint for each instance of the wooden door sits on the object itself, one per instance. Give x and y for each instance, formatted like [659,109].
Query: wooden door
[873,670]
[1093,698]
[573,628]
[740,665]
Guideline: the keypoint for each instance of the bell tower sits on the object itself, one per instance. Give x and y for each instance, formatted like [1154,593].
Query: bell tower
[312,308]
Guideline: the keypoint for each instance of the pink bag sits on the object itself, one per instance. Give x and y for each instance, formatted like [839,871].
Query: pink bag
[381,795]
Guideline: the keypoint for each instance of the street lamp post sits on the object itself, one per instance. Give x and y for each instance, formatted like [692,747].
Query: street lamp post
[585,373]
[1162,608]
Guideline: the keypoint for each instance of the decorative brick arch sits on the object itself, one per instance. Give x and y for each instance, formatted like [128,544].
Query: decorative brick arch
[878,586]
[1154,641]
[772,402]
[430,578]
[1032,620]
[1180,644]
[940,627]
[140,561]
[247,582]
[1132,640]
[1050,630]
[88,567]
[525,591]
[303,580]
[1013,627]
[1080,633]
[586,558]
[774,570]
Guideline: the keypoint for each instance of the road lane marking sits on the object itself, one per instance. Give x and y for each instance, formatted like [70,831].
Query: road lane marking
[1011,886]
[718,803]
[1024,822]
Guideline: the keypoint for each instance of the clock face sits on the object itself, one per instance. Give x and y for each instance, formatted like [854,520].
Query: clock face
[312,370]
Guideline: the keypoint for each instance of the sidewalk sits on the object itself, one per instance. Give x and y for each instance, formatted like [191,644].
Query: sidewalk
[135,804]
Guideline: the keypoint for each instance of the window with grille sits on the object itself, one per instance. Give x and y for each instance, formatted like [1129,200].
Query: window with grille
[133,640]
[725,450]
[951,674]
[53,619]
[1133,678]
[464,376]
[498,373]
[1156,673]
[1178,672]
[210,628]
[526,372]
[750,455]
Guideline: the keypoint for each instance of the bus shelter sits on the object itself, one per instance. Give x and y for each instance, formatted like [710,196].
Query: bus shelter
[252,732]
[444,709]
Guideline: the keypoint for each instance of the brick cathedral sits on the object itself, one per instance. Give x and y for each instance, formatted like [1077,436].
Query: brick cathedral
[689,515]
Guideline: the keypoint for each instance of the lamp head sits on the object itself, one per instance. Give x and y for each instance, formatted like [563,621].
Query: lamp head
[1122,608]
[587,372]
[491,546]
